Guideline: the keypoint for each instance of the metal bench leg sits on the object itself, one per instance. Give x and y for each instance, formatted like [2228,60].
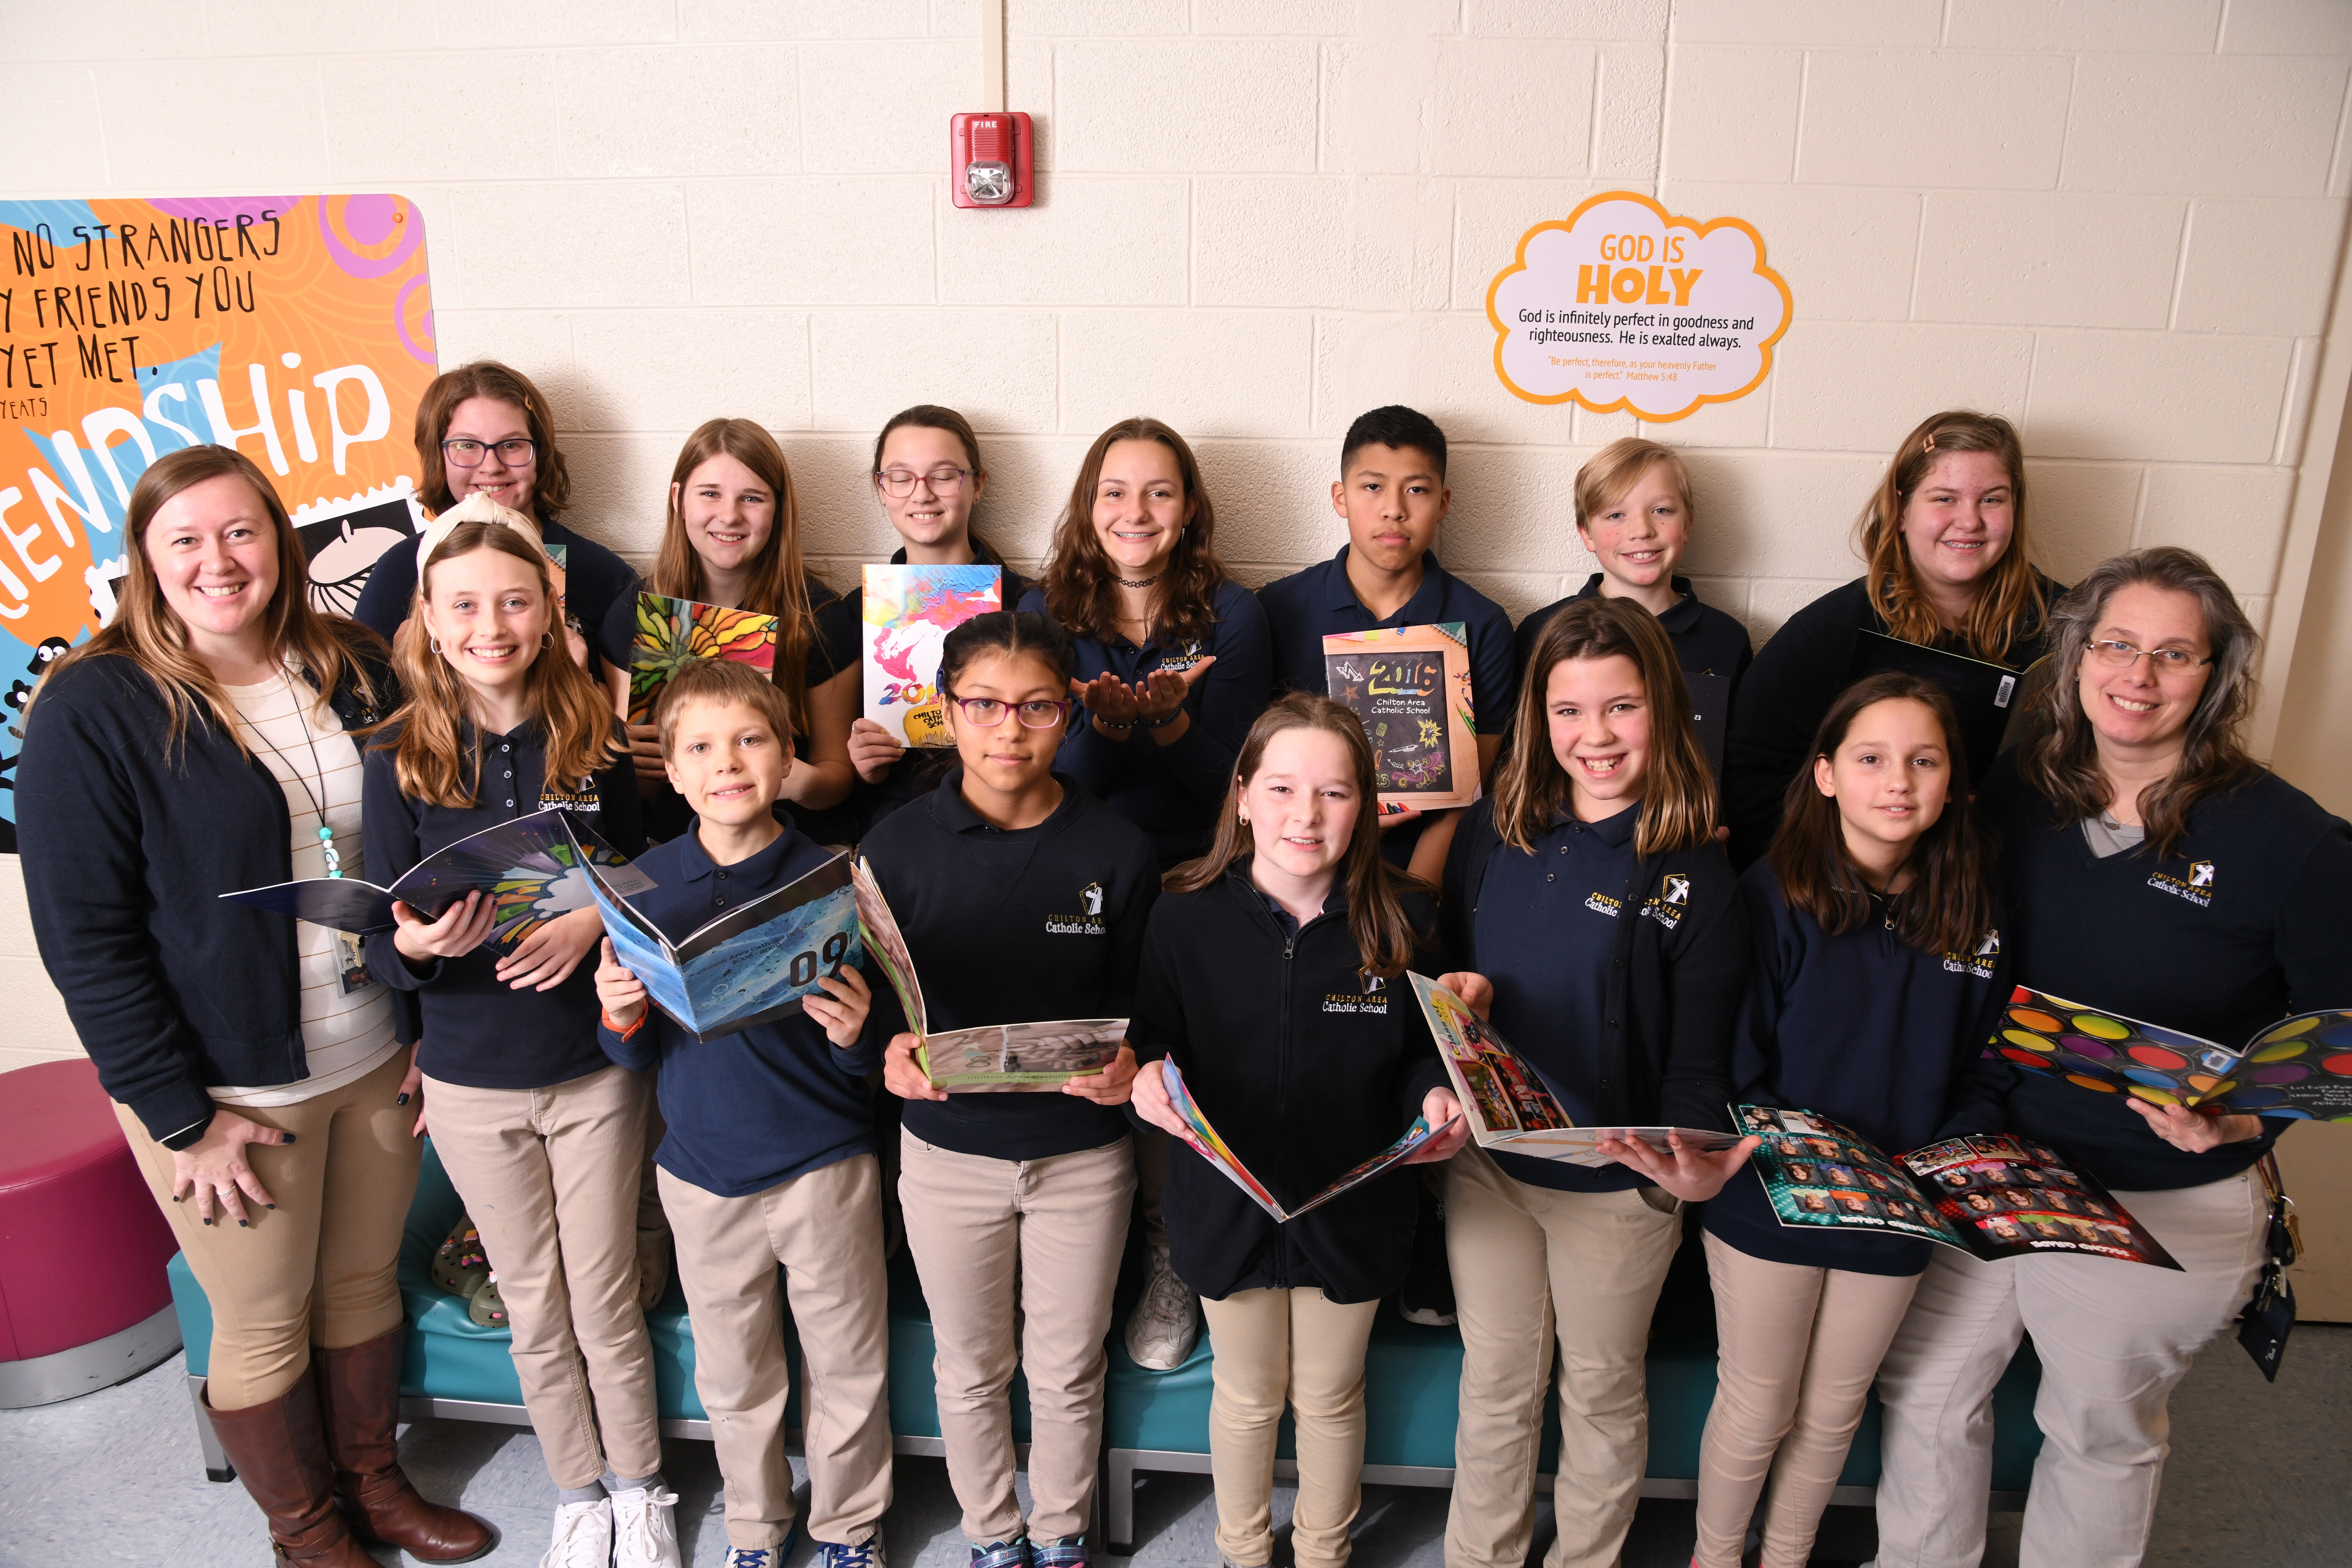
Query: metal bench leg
[216,1465]
[1118,1505]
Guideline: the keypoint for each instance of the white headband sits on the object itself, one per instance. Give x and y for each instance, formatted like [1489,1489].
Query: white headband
[475,508]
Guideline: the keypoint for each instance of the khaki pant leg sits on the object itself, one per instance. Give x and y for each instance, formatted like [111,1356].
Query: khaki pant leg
[595,1129]
[728,1270]
[964,1227]
[1502,1298]
[1859,1314]
[372,1165]
[1608,1254]
[1327,1398]
[1073,1213]
[1764,1314]
[826,1226]
[1249,1337]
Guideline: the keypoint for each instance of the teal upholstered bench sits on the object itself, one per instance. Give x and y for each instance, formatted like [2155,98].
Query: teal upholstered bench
[456,1370]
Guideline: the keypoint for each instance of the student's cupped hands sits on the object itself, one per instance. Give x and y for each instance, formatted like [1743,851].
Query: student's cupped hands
[546,958]
[1108,698]
[463,927]
[1163,691]
[1113,1085]
[2194,1131]
[903,1076]
[839,1005]
[619,991]
[1441,1110]
[1691,1174]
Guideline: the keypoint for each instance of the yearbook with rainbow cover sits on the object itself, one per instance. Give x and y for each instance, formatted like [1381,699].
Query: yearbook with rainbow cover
[1510,1107]
[674,633]
[992,1059]
[2300,1068]
[1410,685]
[533,868]
[1990,1195]
[1205,1141]
[749,966]
[907,615]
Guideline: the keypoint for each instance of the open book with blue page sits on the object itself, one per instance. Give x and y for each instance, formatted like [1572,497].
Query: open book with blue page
[532,869]
[1205,1143]
[749,966]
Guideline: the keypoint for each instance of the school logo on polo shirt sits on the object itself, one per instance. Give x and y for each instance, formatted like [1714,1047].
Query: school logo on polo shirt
[580,797]
[1088,922]
[1671,903]
[1601,904]
[1978,963]
[1373,998]
[2197,887]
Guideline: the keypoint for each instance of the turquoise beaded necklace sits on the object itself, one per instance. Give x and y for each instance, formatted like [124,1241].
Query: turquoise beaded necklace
[318,801]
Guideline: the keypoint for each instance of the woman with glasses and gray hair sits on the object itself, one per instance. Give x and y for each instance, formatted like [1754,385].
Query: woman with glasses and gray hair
[2151,866]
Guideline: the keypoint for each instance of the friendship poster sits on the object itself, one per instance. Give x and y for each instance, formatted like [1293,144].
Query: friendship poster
[296,329]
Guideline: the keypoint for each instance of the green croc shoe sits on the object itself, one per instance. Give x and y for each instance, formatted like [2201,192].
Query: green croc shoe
[489,1308]
[459,1265]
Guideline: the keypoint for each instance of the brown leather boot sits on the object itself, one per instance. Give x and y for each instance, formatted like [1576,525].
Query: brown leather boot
[359,1394]
[280,1454]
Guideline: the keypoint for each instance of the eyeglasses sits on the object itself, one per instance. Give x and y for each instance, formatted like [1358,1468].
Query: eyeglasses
[902,481]
[514,451]
[988,713]
[2168,660]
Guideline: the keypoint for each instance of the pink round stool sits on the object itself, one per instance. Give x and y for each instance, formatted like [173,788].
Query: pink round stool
[84,1303]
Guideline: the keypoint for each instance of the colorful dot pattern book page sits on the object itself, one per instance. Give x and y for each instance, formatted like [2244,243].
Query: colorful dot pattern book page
[2300,1068]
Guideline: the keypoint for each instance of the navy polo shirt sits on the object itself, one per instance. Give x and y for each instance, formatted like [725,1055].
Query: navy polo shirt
[762,1105]
[478,1031]
[1547,927]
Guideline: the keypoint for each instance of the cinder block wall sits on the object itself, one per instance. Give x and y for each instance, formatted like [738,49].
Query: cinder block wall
[2116,222]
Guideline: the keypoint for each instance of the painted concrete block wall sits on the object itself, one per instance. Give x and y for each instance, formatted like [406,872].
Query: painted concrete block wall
[2119,224]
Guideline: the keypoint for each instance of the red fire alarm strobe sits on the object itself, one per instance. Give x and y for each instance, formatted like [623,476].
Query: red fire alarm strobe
[988,159]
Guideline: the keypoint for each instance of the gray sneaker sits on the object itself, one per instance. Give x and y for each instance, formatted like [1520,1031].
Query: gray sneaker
[1162,1330]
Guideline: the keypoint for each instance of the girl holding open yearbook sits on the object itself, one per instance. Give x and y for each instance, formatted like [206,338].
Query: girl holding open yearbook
[733,539]
[1308,1055]
[1600,927]
[1879,974]
[541,1135]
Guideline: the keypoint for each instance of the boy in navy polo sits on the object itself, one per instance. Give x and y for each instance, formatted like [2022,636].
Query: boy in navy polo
[1391,493]
[770,1155]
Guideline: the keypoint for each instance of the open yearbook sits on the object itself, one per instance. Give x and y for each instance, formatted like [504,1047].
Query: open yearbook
[991,1057]
[1990,1195]
[749,966]
[673,633]
[1510,1107]
[2299,1067]
[533,868]
[1410,685]
[1205,1141]
[907,613]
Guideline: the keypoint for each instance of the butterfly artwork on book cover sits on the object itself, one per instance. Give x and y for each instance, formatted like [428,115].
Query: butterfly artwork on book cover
[673,633]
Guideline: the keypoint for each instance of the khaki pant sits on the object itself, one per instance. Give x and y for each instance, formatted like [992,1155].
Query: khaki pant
[1799,1347]
[1272,1346]
[1531,1264]
[825,1229]
[321,1268]
[1039,1239]
[2114,1340]
[550,1179]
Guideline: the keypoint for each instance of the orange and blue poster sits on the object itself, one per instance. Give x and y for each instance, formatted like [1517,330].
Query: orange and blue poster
[296,329]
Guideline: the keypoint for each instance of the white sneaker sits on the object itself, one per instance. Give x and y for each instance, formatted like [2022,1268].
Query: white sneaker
[1165,1322]
[584,1536]
[645,1535]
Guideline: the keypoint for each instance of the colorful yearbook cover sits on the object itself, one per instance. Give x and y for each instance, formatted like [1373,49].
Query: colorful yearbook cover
[1410,685]
[2299,1067]
[532,868]
[1509,1106]
[747,967]
[1990,1195]
[992,1059]
[908,612]
[1205,1141]
[672,633]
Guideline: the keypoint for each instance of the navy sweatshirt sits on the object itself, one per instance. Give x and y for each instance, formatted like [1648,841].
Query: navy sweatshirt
[1306,606]
[127,845]
[593,578]
[478,1032]
[1016,927]
[805,1097]
[1707,641]
[1307,1068]
[832,649]
[1173,792]
[2247,923]
[1788,691]
[1883,1038]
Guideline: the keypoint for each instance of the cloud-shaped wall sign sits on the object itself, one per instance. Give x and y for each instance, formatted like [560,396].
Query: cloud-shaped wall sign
[1625,306]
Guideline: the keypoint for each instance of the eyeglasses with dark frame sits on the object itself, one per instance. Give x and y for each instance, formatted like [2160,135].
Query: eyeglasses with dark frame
[898,483]
[465,453]
[988,713]
[2166,660]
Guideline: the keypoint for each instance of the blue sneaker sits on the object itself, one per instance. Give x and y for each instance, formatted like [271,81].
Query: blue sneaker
[1013,1553]
[763,1556]
[1069,1551]
[866,1553]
